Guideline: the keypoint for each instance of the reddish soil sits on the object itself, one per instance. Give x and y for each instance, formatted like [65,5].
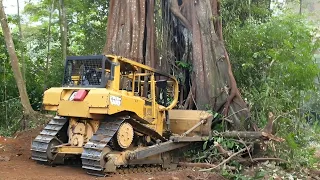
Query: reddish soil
[15,163]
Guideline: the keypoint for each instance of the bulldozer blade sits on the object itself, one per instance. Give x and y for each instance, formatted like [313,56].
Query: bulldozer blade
[182,121]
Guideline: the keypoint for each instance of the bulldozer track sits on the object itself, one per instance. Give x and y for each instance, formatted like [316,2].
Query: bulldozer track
[141,169]
[93,150]
[133,169]
[41,143]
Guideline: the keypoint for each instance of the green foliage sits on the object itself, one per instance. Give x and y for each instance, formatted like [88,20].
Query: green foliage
[208,152]
[10,107]
[86,36]
[184,65]
[275,69]
[279,52]
[87,26]
[272,58]
[239,12]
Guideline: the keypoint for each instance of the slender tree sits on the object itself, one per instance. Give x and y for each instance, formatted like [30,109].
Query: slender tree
[300,6]
[63,28]
[48,42]
[28,111]
[22,40]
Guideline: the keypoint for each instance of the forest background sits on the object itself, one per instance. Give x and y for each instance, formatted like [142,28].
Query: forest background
[273,47]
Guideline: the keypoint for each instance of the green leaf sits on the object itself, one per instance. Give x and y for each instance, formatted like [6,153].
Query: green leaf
[215,115]
[205,145]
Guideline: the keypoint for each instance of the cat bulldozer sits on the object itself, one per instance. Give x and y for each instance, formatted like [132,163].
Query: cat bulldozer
[116,114]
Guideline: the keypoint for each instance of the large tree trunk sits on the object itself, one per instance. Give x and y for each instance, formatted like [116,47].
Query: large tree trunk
[63,28]
[131,31]
[215,85]
[15,65]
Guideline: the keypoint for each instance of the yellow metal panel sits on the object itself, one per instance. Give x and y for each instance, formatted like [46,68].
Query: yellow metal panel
[183,120]
[73,108]
[52,96]
[66,93]
[122,101]
[75,79]
[159,122]
[99,110]
[97,98]
[153,96]
[148,113]
[69,149]
[115,84]
[51,108]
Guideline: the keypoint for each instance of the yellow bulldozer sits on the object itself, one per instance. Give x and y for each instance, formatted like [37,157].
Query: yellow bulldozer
[116,114]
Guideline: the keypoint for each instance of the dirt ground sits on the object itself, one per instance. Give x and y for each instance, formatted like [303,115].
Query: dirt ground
[15,163]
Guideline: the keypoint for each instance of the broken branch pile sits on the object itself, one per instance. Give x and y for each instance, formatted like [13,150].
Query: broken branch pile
[246,148]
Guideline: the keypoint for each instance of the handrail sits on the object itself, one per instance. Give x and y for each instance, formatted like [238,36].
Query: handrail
[142,66]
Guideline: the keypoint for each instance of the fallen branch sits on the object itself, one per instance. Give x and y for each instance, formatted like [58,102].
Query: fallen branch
[269,126]
[315,177]
[244,109]
[245,145]
[315,172]
[272,137]
[269,159]
[225,161]
[203,165]
[250,135]
[224,152]
[248,162]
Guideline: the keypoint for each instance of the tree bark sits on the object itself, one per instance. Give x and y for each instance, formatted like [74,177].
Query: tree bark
[131,33]
[131,30]
[22,40]
[215,84]
[63,29]
[15,65]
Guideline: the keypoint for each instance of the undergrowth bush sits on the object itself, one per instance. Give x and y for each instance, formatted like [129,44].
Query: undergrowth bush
[10,116]
[275,70]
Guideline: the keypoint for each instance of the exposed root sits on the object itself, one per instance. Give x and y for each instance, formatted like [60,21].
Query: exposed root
[190,101]
[175,9]
[234,92]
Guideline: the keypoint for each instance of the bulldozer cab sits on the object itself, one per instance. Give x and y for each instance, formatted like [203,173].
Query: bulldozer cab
[88,71]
